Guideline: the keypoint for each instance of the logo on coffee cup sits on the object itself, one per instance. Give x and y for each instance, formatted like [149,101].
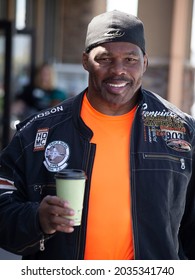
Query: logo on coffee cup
[56,156]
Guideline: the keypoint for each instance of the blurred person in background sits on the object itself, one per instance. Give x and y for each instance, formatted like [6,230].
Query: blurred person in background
[41,94]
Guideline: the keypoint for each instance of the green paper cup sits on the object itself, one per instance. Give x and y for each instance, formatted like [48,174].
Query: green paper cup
[70,186]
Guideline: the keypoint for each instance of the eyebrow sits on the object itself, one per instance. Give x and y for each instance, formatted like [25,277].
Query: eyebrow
[126,53]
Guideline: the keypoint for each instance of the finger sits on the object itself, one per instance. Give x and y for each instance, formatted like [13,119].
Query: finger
[62,224]
[61,220]
[64,229]
[55,200]
[59,211]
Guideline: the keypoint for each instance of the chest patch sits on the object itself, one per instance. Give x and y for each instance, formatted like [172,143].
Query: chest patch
[165,125]
[41,139]
[56,156]
[179,145]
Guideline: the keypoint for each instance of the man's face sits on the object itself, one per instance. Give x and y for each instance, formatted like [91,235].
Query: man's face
[115,73]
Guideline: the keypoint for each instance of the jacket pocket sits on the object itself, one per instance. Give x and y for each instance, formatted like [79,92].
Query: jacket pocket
[173,158]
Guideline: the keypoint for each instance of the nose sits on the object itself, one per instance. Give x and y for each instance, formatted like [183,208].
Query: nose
[118,68]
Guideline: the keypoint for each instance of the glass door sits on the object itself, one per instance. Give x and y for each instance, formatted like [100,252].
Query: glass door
[5,81]
[17,52]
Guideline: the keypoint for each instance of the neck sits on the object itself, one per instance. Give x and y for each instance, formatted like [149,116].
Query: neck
[112,108]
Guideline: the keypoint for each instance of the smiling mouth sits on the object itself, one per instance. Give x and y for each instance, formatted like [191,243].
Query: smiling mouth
[121,85]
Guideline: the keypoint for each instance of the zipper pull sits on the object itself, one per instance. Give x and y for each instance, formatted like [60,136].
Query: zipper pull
[38,188]
[182,163]
[42,244]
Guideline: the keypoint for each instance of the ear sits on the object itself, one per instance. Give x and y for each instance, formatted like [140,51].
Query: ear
[145,62]
[85,60]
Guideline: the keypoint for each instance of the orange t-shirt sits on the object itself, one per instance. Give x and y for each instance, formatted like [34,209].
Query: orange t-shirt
[109,225]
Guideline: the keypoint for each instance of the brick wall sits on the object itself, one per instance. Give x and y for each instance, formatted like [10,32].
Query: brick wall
[188,90]
[156,80]
[75,26]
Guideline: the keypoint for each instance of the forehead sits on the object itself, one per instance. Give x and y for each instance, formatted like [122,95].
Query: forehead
[117,48]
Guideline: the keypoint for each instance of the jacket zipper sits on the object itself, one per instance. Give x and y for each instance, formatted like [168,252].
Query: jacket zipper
[132,192]
[41,243]
[166,157]
[79,233]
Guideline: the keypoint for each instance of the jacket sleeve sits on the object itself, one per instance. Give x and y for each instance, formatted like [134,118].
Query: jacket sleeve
[187,228]
[20,232]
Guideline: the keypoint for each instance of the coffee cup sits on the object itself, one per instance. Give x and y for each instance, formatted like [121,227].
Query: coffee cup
[70,186]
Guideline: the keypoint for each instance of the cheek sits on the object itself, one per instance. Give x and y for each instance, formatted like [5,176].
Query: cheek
[138,72]
[95,80]
[97,74]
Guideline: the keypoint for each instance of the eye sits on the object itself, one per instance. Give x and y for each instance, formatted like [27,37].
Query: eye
[131,59]
[105,59]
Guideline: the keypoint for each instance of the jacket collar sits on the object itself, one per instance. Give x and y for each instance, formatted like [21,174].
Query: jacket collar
[79,123]
[76,109]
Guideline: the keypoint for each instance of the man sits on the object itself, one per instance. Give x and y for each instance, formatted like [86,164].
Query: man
[136,149]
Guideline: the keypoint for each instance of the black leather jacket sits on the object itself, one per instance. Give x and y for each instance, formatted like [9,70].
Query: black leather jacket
[162,180]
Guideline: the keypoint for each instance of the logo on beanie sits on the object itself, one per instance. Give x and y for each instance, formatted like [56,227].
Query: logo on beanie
[117,33]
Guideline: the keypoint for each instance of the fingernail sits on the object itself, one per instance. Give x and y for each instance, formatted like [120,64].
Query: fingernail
[71,222]
[71,212]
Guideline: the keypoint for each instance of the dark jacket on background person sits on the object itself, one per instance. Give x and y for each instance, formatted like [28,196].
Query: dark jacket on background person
[40,99]
[162,160]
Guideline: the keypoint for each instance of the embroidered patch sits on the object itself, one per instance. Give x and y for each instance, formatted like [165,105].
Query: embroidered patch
[163,124]
[179,145]
[41,139]
[56,156]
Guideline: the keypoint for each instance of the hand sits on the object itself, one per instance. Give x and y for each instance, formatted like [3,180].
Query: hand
[52,210]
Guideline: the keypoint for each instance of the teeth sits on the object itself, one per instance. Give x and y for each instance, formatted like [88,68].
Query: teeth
[117,85]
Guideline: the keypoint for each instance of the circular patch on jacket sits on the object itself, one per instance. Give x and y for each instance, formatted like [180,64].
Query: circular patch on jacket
[56,156]
[179,145]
